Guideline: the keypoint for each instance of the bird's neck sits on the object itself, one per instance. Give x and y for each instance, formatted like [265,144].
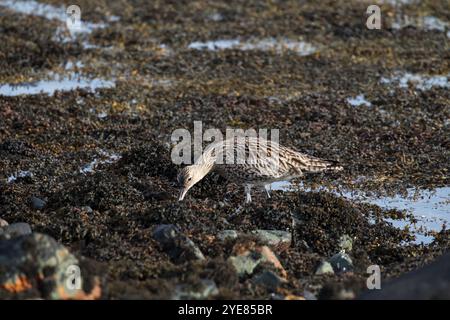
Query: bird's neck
[206,162]
[203,169]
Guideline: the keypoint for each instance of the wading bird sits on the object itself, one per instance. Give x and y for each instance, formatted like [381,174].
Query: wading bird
[254,162]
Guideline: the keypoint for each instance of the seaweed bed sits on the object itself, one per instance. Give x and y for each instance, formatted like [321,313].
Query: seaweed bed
[401,140]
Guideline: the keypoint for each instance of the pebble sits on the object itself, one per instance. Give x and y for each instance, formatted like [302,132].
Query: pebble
[227,235]
[278,239]
[37,203]
[325,268]
[346,294]
[271,258]
[3,223]
[200,291]
[14,230]
[246,261]
[345,243]
[24,260]
[341,262]
[309,295]
[245,264]
[268,279]
[87,209]
[177,245]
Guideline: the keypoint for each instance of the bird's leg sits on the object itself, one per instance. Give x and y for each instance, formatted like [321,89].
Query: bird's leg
[267,188]
[248,196]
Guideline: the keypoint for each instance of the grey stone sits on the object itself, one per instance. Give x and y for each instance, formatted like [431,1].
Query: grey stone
[87,209]
[325,268]
[177,245]
[274,238]
[341,262]
[309,295]
[245,261]
[276,296]
[345,243]
[36,263]
[203,290]
[245,264]
[14,230]
[227,235]
[269,280]
[37,203]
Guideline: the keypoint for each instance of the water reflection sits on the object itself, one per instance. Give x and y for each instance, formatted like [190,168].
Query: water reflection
[430,208]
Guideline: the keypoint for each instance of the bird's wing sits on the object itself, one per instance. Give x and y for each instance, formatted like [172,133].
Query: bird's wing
[307,163]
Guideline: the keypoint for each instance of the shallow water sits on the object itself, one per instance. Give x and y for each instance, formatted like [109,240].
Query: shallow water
[419,81]
[359,100]
[68,82]
[20,174]
[104,158]
[49,12]
[430,208]
[300,47]
[427,23]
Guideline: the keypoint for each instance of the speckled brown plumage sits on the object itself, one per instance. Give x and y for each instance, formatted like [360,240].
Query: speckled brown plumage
[252,161]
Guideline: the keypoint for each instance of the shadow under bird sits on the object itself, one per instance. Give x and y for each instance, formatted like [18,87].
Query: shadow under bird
[254,162]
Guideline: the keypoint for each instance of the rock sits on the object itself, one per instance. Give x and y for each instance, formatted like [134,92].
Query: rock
[178,246]
[325,268]
[270,257]
[245,264]
[268,279]
[277,239]
[36,266]
[430,282]
[345,243]
[14,230]
[203,290]
[336,291]
[87,209]
[3,223]
[37,203]
[346,295]
[309,295]
[227,235]
[304,245]
[245,260]
[341,262]
[277,296]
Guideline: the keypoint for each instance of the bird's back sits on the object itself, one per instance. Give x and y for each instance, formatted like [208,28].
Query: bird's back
[257,160]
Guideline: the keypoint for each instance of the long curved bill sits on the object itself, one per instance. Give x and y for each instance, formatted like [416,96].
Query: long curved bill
[182,194]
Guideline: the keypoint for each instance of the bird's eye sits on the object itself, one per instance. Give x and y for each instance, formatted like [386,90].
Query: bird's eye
[189,179]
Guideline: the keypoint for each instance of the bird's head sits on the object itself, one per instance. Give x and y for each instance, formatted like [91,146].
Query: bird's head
[188,177]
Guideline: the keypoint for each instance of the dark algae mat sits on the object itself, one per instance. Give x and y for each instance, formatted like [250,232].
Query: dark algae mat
[87,167]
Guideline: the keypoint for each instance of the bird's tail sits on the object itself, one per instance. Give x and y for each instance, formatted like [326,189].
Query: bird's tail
[319,165]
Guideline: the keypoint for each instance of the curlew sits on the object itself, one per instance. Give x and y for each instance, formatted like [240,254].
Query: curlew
[254,162]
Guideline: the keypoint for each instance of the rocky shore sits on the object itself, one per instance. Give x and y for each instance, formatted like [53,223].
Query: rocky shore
[88,187]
